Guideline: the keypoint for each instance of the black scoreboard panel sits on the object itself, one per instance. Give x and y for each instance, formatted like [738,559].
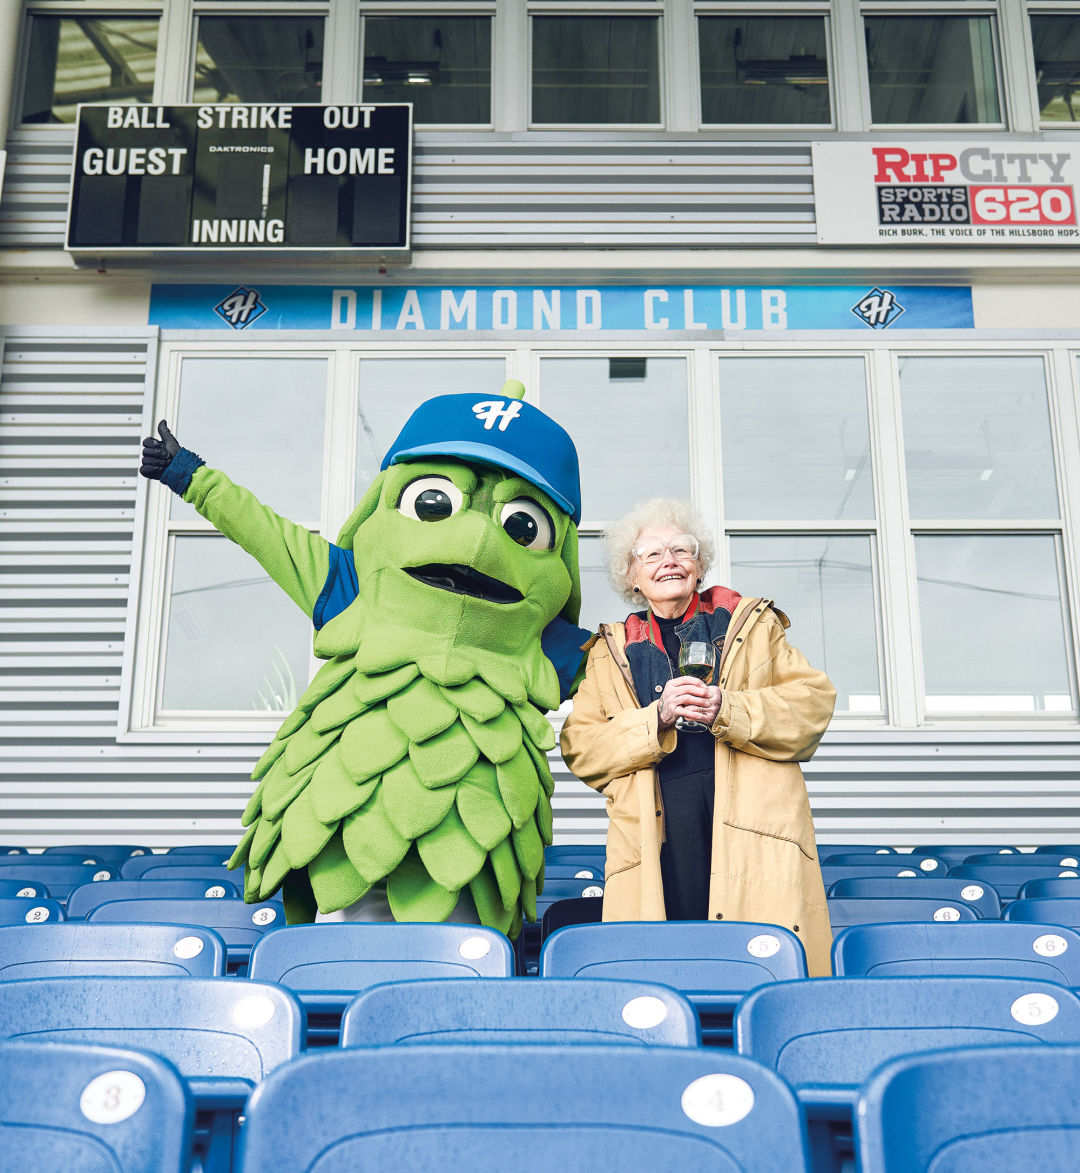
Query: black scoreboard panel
[251,177]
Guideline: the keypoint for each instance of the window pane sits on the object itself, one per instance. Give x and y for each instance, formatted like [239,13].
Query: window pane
[261,421]
[628,420]
[87,59]
[235,640]
[259,59]
[932,69]
[993,624]
[599,602]
[977,438]
[442,64]
[1056,44]
[825,584]
[763,69]
[796,443]
[391,388]
[595,69]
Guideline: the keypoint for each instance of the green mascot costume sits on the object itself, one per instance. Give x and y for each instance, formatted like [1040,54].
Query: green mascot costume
[447,614]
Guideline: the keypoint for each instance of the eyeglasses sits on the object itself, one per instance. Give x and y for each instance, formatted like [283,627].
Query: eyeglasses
[683,547]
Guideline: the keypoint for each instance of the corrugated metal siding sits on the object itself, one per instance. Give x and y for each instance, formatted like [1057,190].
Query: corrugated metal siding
[538,191]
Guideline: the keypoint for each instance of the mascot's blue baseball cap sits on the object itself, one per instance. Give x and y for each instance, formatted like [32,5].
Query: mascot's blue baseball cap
[501,431]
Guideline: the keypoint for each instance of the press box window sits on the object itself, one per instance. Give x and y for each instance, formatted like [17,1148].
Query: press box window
[87,59]
[442,64]
[763,69]
[932,69]
[1055,41]
[258,59]
[595,69]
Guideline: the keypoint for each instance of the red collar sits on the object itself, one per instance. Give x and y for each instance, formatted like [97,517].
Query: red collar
[654,627]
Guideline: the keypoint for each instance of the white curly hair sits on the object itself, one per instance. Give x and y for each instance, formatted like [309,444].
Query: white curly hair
[621,537]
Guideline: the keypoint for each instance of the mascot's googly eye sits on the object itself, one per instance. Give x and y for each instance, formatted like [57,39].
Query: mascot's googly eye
[527,524]
[430,499]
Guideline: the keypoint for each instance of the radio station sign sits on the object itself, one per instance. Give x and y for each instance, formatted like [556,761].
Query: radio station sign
[988,192]
[241,177]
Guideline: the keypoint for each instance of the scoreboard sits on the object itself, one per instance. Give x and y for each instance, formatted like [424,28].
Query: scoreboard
[255,178]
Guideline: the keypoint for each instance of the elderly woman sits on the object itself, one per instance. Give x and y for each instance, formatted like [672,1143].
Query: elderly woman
[710,822]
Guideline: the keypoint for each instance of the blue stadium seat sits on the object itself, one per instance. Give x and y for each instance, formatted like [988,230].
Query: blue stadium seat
[827,849]
[58,878]
[1007,878]
[712,964]
[213,849]
[556,852]
[68,1108]
[22,888]
[582,911]
[1046,910]
[867,910]
[527,946]
[490,1108]
[509,1010]
[112,854]
[954,853]
[830,873]
[74,948]
[928,864]
[132,869]
[981,897]
[826,1037]
[223,1036]
[90,896]
[74,857]
[1062,850]
[988,948]
[1020,859]
[573,871]
[9,850]
[208,873]
[1055,886]
[240,925]
[973,1110]
[327,965]
[19,910]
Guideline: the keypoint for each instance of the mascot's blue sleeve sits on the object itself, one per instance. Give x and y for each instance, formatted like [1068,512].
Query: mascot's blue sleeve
[562,643]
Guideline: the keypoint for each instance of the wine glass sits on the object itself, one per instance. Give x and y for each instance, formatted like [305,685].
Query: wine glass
[697,658]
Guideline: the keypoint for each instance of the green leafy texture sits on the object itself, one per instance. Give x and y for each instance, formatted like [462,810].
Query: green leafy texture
[528,898]
[412,807]
[544,824]
[254,806]
[481,808]
[543,767]
[444,758]
[479,700]
[305,745]
[303,835]
[295,720]
[371,744]
[372,842]
[488,900]
[450,854]
[412,895]
[529,849]
[326,682]
[499,739]
[537,726]
[280,788]
[519,787]
[252,883]
[336,883]
[267,833]
[370,688]
[240,855]
[421,711]
[334,794]
[336,710]
[507,873]
[270,755]
[274,871]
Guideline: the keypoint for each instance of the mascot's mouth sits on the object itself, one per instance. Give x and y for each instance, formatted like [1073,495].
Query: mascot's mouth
[463,580]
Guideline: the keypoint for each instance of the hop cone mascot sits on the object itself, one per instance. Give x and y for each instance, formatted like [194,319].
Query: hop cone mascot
[446,613]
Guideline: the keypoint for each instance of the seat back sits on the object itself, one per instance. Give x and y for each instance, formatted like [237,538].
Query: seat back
[113,854]
[1007,878]
[1046,910]
[865,910]
[240,925]
[978,1110]
[475,1107]
[72,1107]
[712,964]
[132,869]
[1019,859]
[580,911]
[980,897]
[557,851]
[573,871]
[1064,851]
[89,896]
[956,853]
[826,849]
[212,849]
[69,857]
[510,1010]
[986,947]
[58,878]
[75,948]
[19,910]
[9,888]
[1054,886]
[830,873]
[929,864]
[9,850]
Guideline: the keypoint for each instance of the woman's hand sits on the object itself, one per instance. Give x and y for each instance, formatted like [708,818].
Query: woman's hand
[689,698]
